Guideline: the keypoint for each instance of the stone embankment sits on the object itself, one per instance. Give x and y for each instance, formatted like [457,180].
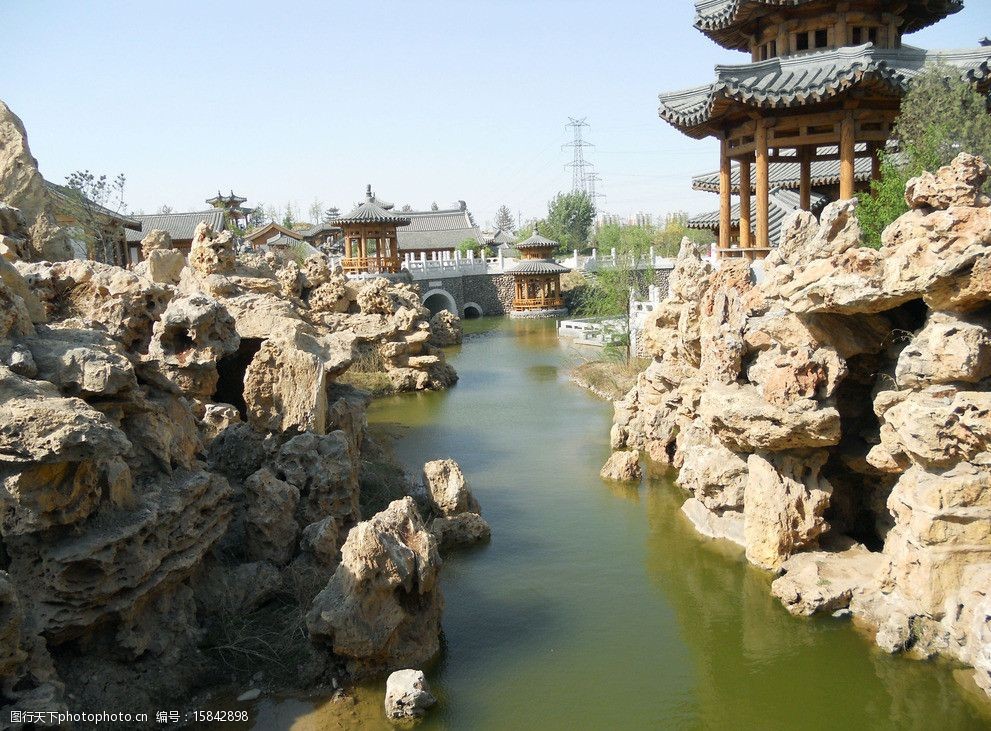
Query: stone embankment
[835,418]
[176,456]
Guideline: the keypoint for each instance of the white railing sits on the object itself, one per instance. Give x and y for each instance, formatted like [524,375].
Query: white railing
[444,264]
[613,260]
[599,331]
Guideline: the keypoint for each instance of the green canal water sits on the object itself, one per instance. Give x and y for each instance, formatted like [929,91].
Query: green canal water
[597,606]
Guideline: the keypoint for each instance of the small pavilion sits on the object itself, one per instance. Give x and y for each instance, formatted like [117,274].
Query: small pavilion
[537,279]
[233,207]
[823,86]
[370,241]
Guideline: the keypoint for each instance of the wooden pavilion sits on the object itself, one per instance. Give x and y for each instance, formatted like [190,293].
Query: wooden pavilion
[537,279]
[233,207]
[370,241]
[824,85]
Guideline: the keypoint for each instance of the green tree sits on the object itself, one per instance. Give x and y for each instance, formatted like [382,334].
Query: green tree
[258,217]
[569,220]
[469,244]
[288,219]
[504,219]
[941,116]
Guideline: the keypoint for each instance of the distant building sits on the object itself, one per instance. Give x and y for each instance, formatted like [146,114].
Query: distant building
[273,237]
[438,232]
[232,205]
[77,213]
[641,219]
[180,226]
[537,279]
[369,233]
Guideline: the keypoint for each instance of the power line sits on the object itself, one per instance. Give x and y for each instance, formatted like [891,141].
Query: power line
[580,167]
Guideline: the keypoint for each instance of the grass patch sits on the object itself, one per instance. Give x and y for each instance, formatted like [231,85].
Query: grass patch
[367,372]
[609,376]
[381,476]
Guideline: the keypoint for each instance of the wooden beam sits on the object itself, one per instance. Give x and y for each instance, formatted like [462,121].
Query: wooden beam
[745,240]
[875,151]
[763,187]
[805,178]
[725,191]
[847,157]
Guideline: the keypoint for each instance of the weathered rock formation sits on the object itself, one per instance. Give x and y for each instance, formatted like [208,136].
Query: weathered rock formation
[833,415]
[381,608]
[407,694]
[456,514]
[176,454]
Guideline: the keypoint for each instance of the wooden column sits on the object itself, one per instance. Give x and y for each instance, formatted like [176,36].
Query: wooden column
[847,157]
[745,241]
[875,162]
[763,184]
[805,177]
[725,188]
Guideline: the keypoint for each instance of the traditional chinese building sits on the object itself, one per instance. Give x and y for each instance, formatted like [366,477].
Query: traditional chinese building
[820,93]
[233,207]
[537,279]
[370,239]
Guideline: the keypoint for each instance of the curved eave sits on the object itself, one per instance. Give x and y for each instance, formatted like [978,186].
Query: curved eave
[806,80]
[725,21]
[539,267]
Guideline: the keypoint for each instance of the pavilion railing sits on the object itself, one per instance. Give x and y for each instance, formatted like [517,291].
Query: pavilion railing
[370,265]
[538,303]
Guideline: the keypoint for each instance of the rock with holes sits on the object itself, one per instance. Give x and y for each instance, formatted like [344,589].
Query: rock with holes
[381,609]
[445,329]
[949,349]
[820,581]
[622,466]
[82,362]
[193,333]
[211,252]
[325,470]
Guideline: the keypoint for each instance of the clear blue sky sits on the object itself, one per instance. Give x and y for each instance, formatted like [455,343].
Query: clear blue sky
[428,101]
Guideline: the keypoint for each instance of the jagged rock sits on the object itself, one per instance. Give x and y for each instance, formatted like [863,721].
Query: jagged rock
[894,635]
[24,188]
[79,577]
[81,363]
[958,184]
[194,332]
[937,427]
[326,473]
[407,694]
[211,252]
[948,349]
[285,386]
[823,581]
[784,503]
[449,493]
[21,362]
[381,608]
[445,329]
[716,476]
[162,266]
[742,420]
[155,240]
[463,529]
[270,524]
[217,418]
[623,466]
[321,540]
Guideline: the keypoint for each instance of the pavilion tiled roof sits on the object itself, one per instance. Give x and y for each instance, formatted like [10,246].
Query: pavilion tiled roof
[780,203]
[788,175]
[536,241]
[808,78]
[180,226]
[373,211]
[538,266]
[69,198]
[725,21]
[441,229]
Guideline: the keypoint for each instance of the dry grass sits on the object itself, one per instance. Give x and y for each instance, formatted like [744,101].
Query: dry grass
[609,377]
[367,372]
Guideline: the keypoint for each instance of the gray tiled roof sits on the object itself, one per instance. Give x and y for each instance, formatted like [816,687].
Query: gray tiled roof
[787,175]
[373,211]
[179,226]
[724,20]
[536,241]
[808,78]
[780,204]
[69,197]
[538,266]
[320,228]
[442,229]
[501,236]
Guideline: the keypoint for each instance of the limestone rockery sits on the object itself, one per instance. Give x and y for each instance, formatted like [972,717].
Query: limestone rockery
[834,417]
[175,452]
